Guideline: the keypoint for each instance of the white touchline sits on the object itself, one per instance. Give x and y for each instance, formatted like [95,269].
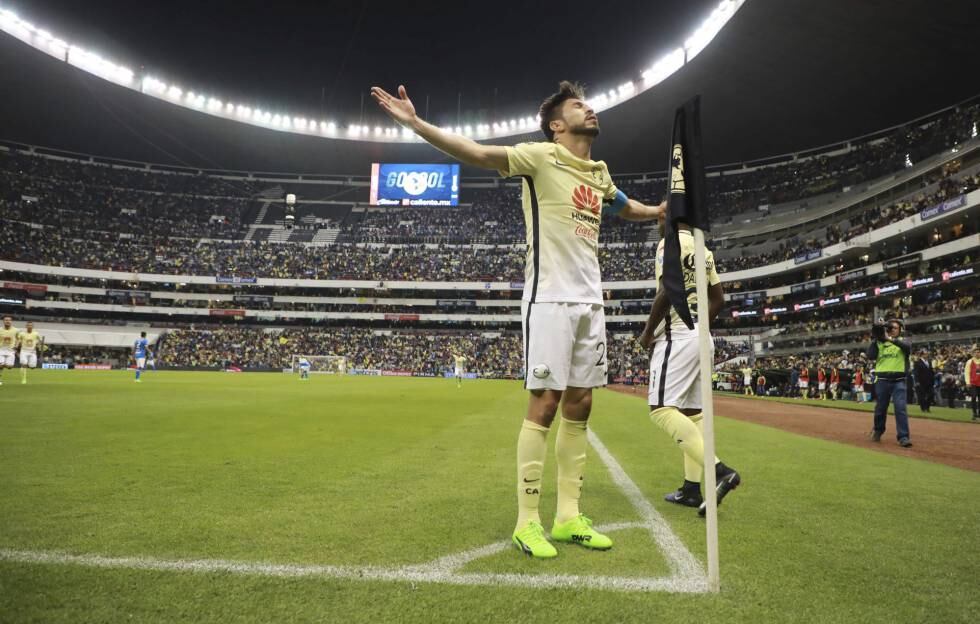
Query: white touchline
[687,575]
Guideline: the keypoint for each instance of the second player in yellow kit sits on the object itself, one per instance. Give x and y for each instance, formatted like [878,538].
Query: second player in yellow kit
[28,341]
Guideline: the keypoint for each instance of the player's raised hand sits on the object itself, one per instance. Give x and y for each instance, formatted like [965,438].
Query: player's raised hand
[398,108]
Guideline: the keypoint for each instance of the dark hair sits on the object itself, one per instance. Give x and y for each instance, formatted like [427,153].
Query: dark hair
[7,316]
[552,104]
[142,334]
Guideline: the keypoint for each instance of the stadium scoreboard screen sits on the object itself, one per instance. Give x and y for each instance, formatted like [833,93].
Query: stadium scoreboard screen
[414,185]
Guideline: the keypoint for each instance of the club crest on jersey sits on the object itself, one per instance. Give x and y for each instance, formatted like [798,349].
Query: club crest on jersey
[585,198]
[677,170]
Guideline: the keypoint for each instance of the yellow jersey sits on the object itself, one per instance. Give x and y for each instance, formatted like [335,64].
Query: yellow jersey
[562,200]
[460,360]
[676,325]
[8,338]
[28,341]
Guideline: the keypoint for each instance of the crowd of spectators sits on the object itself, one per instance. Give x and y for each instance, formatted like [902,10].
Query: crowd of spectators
[133,219]
[783,373]
[861,223]
[423,353]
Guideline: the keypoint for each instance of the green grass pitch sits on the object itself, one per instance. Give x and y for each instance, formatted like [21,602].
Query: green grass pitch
[392,472]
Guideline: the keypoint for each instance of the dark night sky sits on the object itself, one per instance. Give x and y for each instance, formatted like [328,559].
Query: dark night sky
[784,75]
[498,56]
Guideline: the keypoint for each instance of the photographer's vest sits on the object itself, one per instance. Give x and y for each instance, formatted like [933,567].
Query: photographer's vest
[891,362]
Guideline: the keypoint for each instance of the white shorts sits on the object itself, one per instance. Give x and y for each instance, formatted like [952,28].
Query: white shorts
[746,382]
[458,372]
[6,357]
[675,373]
[804,384]
[564,345]
[141,362]
[833,386]
[821,385]
[28,359]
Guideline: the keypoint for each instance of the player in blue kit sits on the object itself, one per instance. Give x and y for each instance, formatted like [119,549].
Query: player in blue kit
[140,349]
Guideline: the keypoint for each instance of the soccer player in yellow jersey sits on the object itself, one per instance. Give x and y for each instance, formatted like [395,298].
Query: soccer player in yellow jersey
[460,367]
[565,194]
[8,344]
[28,342]
[675,391]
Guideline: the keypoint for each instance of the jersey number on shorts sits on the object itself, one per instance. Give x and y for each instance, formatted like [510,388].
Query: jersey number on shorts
[601,347]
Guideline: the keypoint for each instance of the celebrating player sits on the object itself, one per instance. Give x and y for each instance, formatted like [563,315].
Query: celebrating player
[565,194]
[140,349]
[8,342]
[747,380]
[675,389]
[460,364]
[27,342]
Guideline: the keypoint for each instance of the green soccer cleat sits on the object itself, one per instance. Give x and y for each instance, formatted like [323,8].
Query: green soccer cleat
[579,530]
[531,541]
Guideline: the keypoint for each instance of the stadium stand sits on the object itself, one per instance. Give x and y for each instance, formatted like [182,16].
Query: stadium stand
[797,240]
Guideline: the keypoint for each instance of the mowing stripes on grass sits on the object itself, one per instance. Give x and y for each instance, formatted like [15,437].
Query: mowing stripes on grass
[680,559]
[688,577]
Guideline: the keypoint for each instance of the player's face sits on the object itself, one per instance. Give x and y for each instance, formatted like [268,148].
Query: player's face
[579,118]
[6,322]
[30,327]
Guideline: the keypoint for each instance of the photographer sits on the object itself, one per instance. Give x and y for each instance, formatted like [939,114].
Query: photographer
[891,357]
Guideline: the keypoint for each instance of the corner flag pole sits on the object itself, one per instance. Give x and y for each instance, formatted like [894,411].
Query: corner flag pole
[707,408]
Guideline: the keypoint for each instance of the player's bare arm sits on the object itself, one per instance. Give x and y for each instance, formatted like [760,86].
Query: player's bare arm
[637,211]
[716,300]
[461,148]
[658,312]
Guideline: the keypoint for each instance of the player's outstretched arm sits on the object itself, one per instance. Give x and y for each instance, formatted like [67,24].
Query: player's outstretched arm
[461,148]
[637,211]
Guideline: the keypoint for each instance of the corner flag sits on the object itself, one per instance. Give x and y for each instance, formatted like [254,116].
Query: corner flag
[686,202]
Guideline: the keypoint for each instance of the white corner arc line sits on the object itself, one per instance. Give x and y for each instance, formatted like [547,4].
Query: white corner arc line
[680,559]
[687,575]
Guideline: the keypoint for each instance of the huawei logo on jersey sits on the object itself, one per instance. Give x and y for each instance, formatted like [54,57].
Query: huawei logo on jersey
[585,198]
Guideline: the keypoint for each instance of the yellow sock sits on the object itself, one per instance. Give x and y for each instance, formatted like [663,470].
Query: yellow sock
[686,433]
[699,423]
[23,373]
[571,444]
[693,471]
[532,446]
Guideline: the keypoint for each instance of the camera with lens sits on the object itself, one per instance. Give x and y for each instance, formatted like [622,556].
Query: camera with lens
[878,332]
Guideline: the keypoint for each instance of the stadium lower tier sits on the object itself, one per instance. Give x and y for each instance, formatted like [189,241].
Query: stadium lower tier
[419,353]
[942,375]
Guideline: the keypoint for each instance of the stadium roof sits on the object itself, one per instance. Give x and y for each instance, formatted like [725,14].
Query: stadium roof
[781,76]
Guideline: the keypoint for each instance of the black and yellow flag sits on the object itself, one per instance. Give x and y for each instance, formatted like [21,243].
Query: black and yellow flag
[686,200]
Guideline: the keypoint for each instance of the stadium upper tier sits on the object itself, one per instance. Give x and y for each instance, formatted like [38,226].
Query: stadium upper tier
[101,215]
